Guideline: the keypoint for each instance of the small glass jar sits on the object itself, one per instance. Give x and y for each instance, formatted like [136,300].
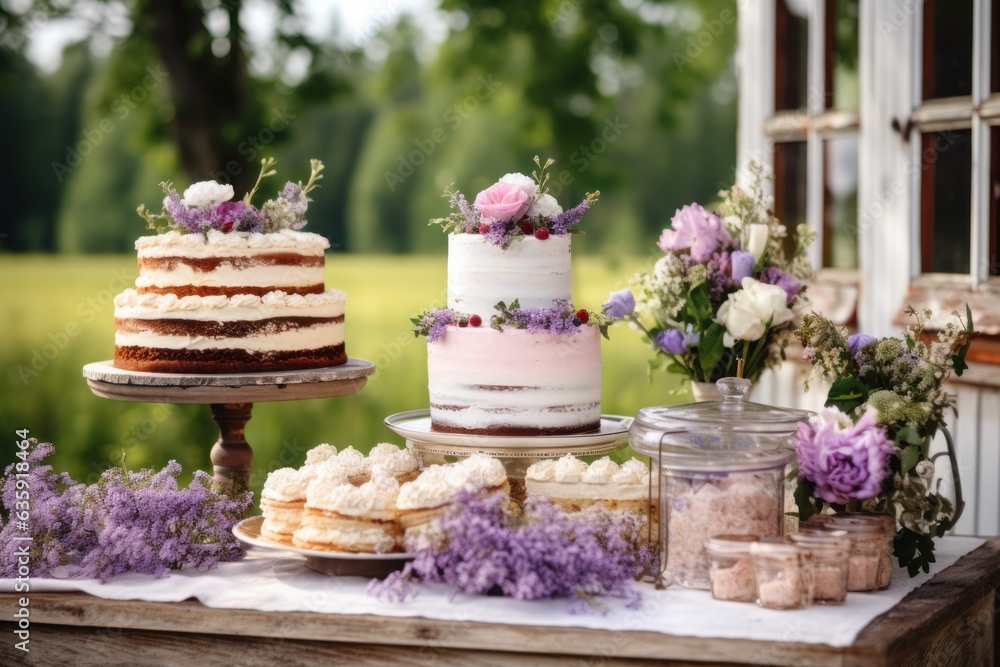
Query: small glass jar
[784,574]
[869,551]
[888,525]
[730,567]
[830,550]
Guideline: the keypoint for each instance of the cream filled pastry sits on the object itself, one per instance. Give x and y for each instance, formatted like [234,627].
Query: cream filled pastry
[282,501]
[344,517]
[574,485]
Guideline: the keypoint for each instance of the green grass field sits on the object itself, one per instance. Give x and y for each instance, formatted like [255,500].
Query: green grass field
[58,316]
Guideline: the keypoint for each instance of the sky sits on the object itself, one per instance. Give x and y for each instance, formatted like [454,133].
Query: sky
[355,22]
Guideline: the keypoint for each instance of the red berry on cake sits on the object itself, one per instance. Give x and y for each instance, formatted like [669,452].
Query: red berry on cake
[483,228]
[527,229]
[583,315]
[463,322]
[541,233]
[476,321]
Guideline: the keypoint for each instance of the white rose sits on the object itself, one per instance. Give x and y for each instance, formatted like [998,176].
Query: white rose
[748,313]
[757,240]
[207,193]
[545,206]
[526,183]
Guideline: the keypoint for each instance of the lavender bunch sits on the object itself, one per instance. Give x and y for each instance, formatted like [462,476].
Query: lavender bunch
[126,522]
[560,318]
[434,323]
[561,223]
[545,554]
[463,219]
[501,233]
[52,506]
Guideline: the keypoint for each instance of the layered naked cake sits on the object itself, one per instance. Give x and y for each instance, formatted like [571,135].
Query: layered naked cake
[576,486]
[510,355]
[230,288]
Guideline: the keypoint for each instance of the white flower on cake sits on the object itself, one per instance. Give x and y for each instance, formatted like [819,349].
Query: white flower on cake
[545,206]
[206,193]
[748,313]
[526,183]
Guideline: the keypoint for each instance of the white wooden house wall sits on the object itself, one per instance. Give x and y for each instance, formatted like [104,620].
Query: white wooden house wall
[888,201]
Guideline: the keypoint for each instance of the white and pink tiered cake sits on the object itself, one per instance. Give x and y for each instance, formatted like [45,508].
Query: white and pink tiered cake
[510,355]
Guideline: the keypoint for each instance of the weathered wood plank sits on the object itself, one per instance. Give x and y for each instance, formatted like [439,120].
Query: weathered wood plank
[943,617]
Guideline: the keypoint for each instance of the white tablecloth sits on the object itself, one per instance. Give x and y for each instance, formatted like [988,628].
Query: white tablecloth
[270,582]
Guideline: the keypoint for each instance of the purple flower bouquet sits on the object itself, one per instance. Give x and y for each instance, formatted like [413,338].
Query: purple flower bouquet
[869,450]
[723,290]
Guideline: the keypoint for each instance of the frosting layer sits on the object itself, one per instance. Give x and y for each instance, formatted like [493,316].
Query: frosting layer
[480,273]
[512,382]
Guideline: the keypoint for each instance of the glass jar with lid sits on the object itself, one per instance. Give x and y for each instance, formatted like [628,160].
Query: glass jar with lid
[721,470]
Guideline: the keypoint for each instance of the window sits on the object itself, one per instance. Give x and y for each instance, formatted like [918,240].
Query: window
[814,129]
[956,124]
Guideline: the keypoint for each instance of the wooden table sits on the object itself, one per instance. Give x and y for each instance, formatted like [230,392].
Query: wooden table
[948,621]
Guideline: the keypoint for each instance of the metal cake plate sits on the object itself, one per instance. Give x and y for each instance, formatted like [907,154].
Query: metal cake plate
[415,426]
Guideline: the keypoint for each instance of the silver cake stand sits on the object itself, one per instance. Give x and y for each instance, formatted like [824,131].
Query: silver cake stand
[231,396]
[516,453]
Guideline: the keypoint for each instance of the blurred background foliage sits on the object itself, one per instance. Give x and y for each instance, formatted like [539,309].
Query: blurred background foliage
[632,97]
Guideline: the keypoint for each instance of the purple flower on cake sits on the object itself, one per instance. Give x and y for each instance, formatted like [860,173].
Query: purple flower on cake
[742,265]
[561,223]
[206,205]
[843,460]
[558,319]
[505,202]
[672,341]
[775,276]
[434,323]
[230,215]
[189,220]
[620,304]
[207,193]
[500,233]
[695,229]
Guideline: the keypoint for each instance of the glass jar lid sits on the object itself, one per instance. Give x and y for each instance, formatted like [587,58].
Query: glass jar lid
[731,433]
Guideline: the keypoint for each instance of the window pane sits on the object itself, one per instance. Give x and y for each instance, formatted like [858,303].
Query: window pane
[842,54]
[946,201]
[791,56]
[947,57]
[840,202]
[995,48]
[790,187]
[994,235]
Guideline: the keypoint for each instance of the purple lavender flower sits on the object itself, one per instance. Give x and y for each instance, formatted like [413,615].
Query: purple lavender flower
[620,304]
[126,522]
[775,276]
[672,341]
[561,223]
[695,229]
[188,219]
[293,194]
[434,323]
[500,233]
[466,210]
[558,319]
[718,274]
[547,554]
[843,460]
[742,265]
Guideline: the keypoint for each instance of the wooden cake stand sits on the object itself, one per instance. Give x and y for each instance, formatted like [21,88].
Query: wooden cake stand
[231,396]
